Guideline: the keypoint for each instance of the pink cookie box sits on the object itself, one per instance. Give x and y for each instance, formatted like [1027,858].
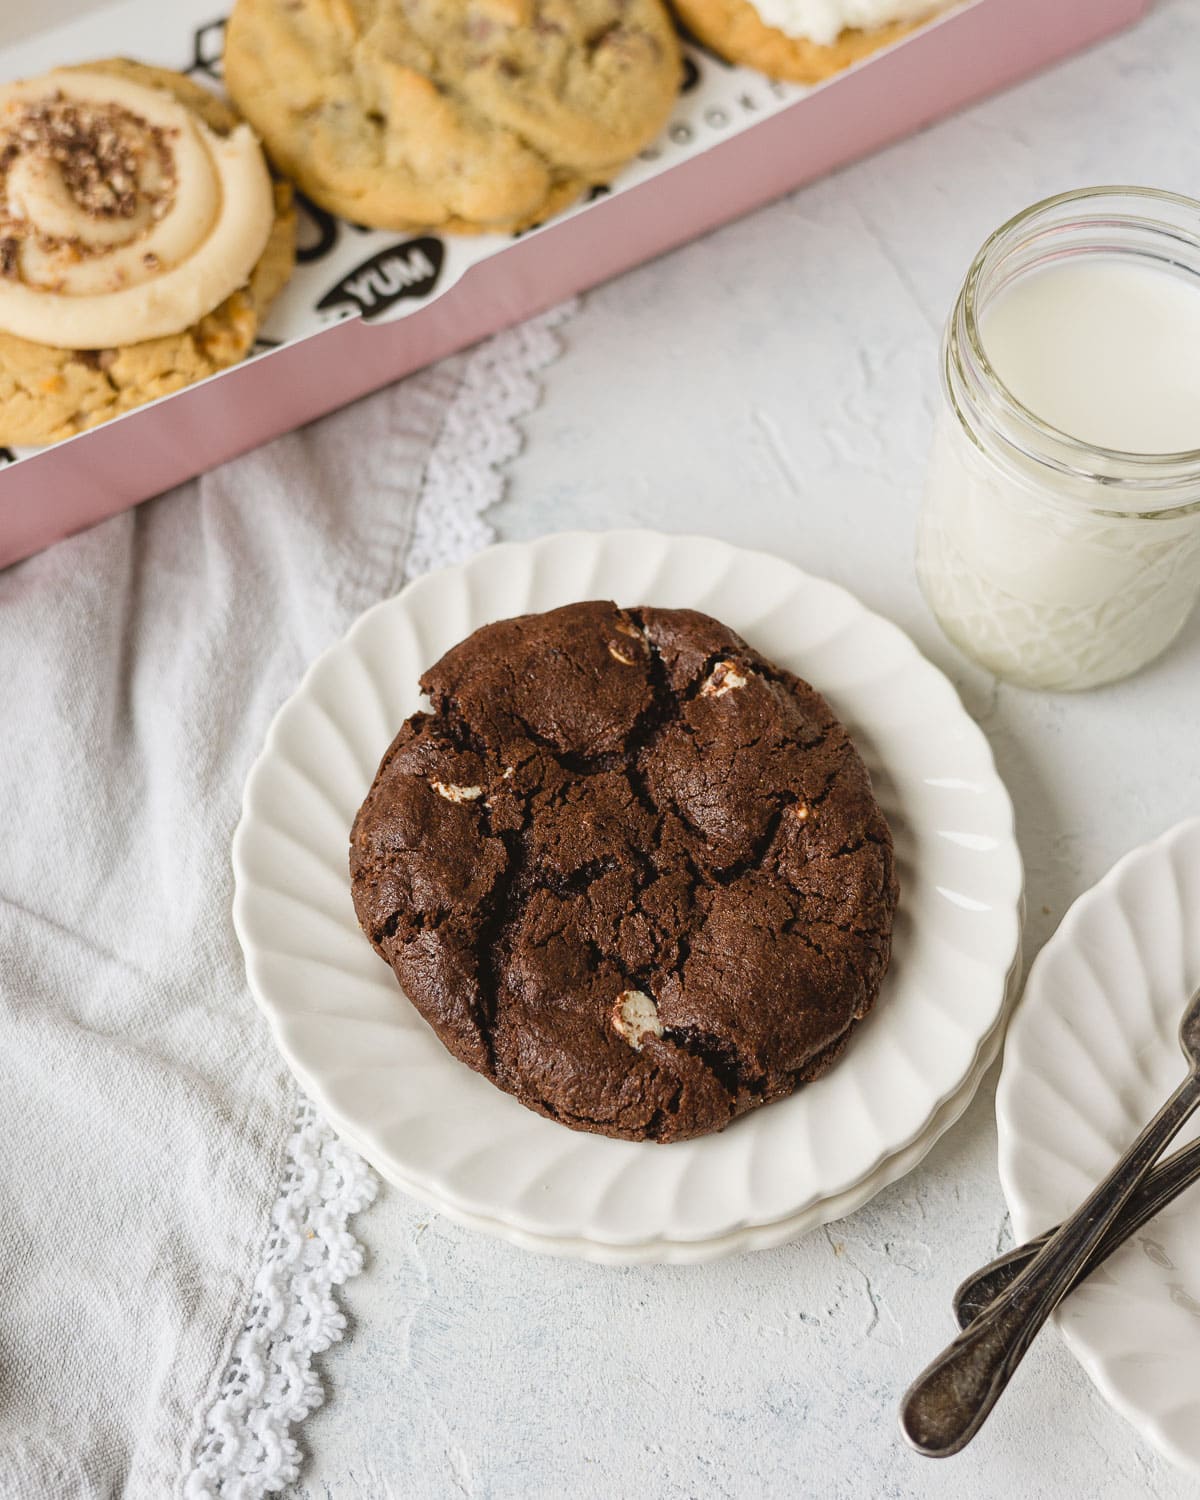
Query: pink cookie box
[970,52]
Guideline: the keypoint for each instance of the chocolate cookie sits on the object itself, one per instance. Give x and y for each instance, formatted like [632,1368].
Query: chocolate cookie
[461,115]
[627,869]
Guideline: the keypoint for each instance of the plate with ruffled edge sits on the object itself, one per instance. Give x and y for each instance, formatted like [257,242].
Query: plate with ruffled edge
[779,1231]
[445,1134]
[1091,1055]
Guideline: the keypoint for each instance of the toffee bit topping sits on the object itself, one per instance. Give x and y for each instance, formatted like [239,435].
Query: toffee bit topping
[100,151]
[9,251]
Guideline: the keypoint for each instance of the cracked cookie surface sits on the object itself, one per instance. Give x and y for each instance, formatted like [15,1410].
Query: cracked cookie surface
[47,394]
[627,869]
[461,115]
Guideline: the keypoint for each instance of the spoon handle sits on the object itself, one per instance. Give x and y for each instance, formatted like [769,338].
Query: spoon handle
[948,1403]
[1160,1188]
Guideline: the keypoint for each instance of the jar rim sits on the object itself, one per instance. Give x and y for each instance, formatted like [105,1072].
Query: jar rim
[1147,468]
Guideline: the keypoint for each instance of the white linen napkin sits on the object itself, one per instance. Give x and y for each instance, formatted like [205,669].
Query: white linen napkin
[168,1230]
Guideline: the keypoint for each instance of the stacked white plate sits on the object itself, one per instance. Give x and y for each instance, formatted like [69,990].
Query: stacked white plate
[448,1136]
[1092,1055]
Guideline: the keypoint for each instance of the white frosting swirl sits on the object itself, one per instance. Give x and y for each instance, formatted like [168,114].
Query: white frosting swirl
[123,217]
[823,21]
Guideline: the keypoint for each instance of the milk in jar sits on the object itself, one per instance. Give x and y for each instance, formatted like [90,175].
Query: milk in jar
[1059,541]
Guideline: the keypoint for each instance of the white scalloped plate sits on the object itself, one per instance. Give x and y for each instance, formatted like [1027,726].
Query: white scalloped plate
[448,1136]
[1091,1055]
[779,1231]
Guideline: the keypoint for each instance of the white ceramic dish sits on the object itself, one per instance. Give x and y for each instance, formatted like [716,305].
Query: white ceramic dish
[1091,1055]
[449,1137]
[760,1236]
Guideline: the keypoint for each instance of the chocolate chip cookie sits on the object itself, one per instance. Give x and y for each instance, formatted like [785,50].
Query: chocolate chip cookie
[461,115]
[627,869]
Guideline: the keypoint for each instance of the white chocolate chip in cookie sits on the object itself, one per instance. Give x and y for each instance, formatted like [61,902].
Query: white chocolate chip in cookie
[456,793]
[724,678]
[635,633]
[635,1017]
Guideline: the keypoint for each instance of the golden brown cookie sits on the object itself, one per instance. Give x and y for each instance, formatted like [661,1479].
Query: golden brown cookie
[461,115]
[51,393]
[734,30]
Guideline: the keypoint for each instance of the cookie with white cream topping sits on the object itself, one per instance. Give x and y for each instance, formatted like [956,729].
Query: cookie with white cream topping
[802,41]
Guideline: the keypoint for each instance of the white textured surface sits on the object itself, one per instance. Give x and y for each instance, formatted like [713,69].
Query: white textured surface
[774,384]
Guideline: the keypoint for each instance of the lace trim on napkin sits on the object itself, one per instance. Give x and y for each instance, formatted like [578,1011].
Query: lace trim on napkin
[462,477]
[246,1448]
[269,1383]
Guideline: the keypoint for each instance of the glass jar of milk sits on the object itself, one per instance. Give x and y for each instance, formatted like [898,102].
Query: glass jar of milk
[1059,541]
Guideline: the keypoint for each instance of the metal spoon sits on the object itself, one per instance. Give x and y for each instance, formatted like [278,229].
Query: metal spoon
[948,1403]
[1160,1188]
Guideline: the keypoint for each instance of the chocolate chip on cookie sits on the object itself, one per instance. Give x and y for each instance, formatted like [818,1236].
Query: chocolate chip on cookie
[627,869]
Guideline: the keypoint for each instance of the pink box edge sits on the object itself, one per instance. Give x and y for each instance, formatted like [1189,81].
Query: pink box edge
[79,482]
